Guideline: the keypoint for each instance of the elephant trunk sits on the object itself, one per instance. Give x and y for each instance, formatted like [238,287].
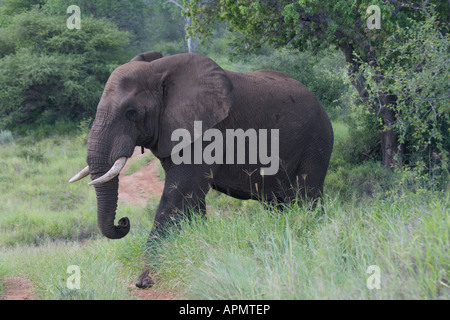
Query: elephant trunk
[106,191]
[107,195]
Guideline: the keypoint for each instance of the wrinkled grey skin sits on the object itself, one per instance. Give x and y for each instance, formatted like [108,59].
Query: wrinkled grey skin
[145,100]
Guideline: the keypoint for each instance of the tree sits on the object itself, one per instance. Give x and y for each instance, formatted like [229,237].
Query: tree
[133,16]
[49,73]
[419,81]
[192,40]
[297,24]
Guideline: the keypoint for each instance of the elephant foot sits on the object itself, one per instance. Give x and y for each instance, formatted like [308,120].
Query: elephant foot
[144,280]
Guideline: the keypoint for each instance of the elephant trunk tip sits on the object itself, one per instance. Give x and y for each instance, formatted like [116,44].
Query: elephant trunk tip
[119,231]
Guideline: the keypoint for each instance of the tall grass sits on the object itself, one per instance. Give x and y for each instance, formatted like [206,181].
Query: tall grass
[101,277]
[319,254]
[36,202]
[242,250]
[47,224]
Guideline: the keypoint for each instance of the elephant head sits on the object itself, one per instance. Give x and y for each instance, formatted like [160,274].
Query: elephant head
[143,102]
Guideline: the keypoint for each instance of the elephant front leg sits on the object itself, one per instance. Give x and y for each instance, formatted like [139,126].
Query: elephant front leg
[184,193]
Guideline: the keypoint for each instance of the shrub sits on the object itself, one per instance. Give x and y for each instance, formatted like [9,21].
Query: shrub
[49,72]
[169,47]
[363,142]
[6,137]
[418,79]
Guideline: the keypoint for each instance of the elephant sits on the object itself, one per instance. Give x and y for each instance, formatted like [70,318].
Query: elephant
[150,98]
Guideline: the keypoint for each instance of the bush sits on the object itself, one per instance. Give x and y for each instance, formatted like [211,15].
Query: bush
[359,181]
[418,79]
[6,137]
[363,142]
[169,47]
[48,72]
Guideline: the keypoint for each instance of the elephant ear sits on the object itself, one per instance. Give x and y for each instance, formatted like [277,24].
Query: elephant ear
[194,88]
[148,56]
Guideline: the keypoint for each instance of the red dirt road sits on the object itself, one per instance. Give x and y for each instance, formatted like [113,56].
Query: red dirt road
[18,288]
[142,184]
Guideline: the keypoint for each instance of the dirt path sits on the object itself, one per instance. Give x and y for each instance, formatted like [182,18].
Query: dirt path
[142,184]
[152,294]
[135,189]
[17,288]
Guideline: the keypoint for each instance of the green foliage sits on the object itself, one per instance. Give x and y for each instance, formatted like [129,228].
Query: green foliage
[6,137]
[49,72]
[12,7]
[169,47]
[302,23]
[362,143]
[415,70]
[84,127]
[362,181]
[132,16]
[354,172]
[397,61]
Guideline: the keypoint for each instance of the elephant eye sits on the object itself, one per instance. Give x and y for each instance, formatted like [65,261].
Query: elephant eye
[130,114]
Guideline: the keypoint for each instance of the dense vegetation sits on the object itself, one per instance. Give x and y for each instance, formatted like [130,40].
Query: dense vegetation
[393,214]
[374,55]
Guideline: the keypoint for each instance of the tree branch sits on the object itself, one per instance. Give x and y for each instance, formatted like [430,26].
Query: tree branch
[177,4]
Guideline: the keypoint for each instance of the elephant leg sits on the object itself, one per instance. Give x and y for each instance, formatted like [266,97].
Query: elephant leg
[305,183]
[184,194]
[310,179]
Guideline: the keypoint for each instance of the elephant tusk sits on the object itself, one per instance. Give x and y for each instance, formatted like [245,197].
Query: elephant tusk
[112,173]
[80,175]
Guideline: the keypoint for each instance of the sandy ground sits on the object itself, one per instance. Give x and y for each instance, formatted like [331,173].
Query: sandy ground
[133,189]
[141,185]
[18,289]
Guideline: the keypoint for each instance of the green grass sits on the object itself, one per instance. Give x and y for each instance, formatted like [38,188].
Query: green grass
[303,254]
[47,266]
[241,251]
[138,163]
[36,200]
[43,217]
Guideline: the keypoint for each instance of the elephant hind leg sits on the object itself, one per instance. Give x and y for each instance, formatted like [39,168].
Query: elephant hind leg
[306,183]
[310,179]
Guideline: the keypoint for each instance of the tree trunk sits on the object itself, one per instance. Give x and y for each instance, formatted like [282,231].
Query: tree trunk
[388,137]
[192,42]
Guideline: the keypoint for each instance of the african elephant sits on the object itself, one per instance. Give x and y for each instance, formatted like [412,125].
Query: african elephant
[148,99]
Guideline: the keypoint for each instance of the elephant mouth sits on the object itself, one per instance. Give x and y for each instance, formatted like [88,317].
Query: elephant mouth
[149,143]
[112,173]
